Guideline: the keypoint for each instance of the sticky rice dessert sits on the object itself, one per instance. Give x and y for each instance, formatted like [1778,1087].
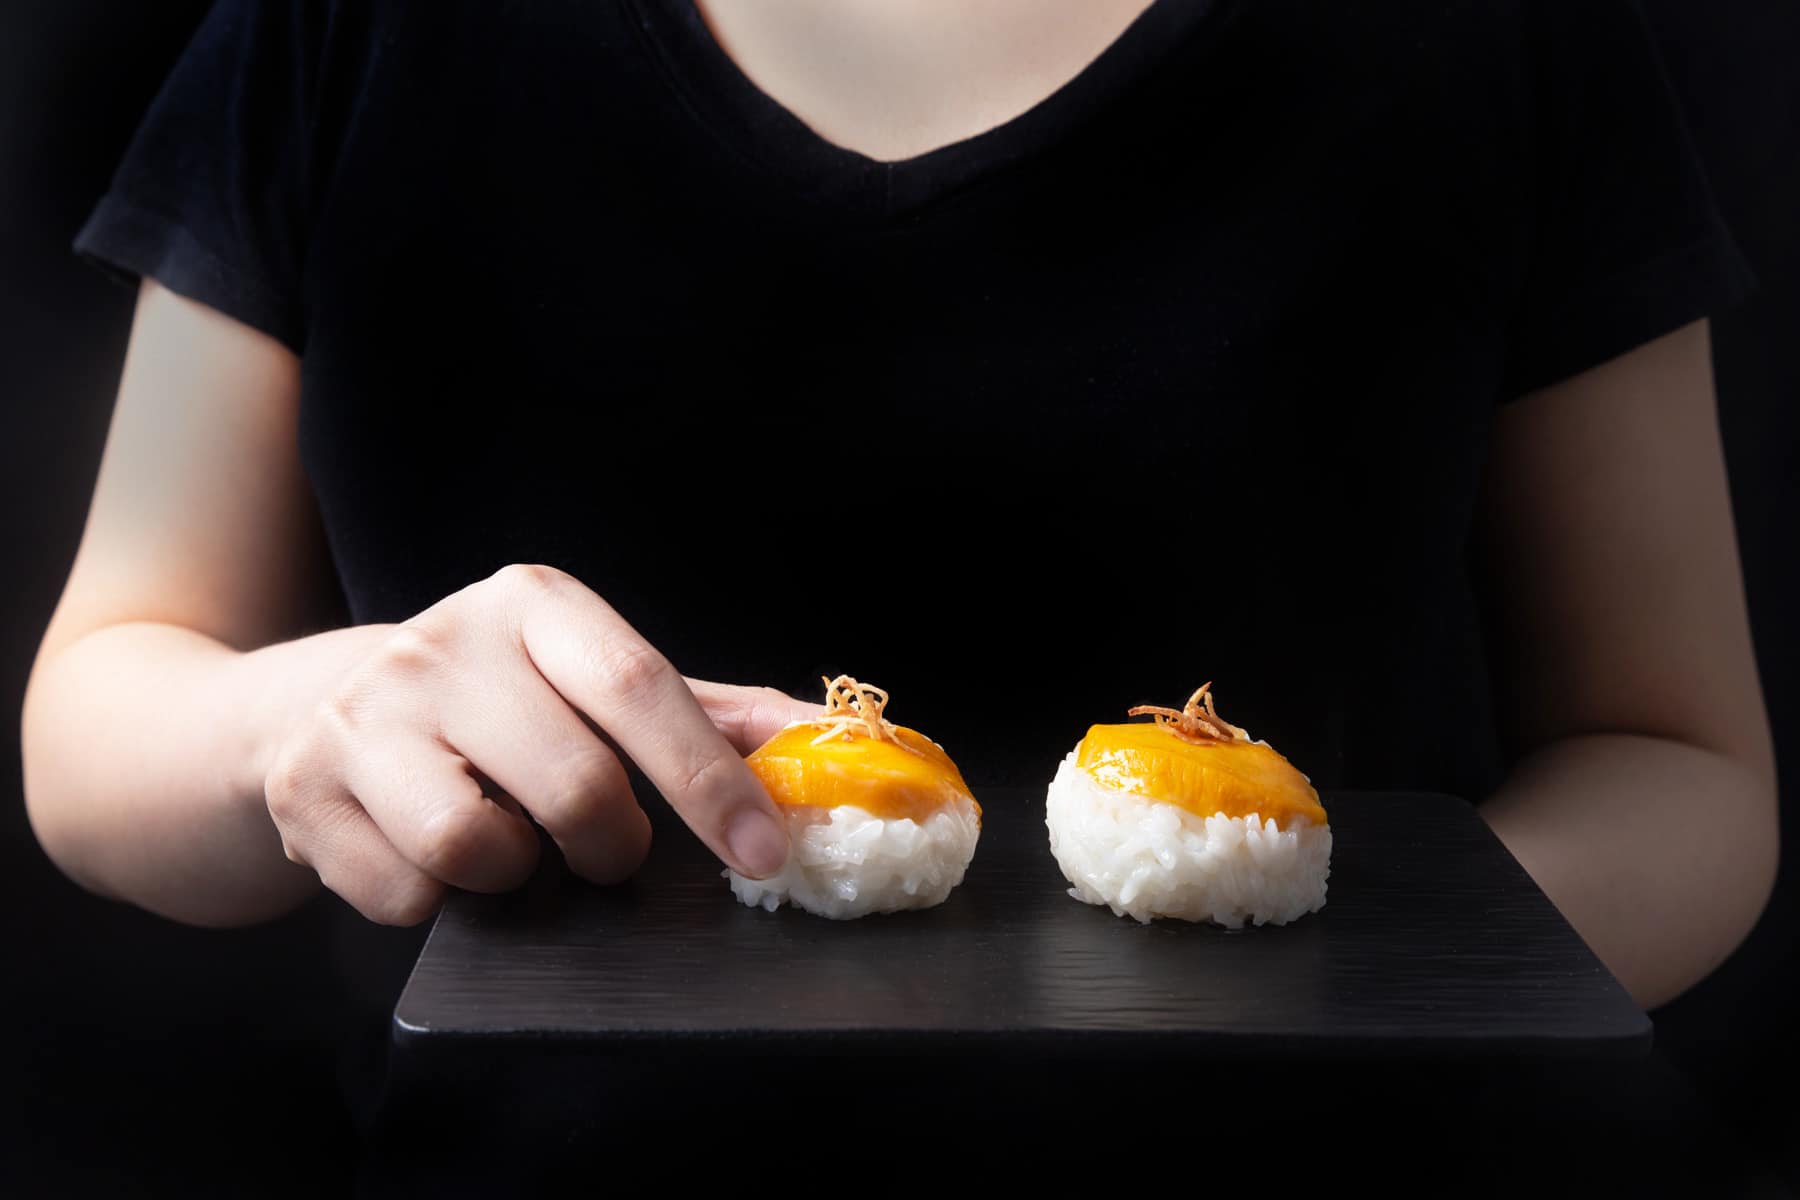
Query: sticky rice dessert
[1188,818]
[879,818]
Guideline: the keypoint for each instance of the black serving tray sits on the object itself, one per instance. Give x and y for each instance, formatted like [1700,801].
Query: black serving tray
[1434,943]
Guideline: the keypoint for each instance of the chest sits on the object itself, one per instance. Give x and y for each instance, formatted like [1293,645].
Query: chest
[1218,246]
[1235,275]
[1181,373]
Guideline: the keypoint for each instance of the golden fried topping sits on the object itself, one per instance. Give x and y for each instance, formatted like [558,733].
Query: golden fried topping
[853,708]
[1193,723]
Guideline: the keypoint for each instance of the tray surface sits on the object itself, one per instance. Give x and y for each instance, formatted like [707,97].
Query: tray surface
[1433,942]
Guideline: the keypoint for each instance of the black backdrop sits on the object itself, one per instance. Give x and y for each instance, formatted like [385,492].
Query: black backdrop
[142,1056]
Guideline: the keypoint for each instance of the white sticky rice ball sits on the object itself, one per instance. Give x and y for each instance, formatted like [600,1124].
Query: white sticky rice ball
[846,862]
[1146,859]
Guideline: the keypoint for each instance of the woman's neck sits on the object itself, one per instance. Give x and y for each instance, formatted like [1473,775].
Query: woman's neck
[893,79]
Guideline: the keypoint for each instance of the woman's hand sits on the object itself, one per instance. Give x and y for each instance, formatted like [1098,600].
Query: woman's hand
[182,694]
[517,695]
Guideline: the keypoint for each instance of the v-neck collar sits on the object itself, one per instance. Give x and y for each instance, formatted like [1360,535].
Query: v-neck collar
[759,129]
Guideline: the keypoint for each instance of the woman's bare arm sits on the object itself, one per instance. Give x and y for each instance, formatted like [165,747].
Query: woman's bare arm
[141,727]
[1643,800]
[180,755]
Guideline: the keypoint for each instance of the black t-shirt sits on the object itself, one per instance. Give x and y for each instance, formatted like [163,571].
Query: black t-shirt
[1184,374]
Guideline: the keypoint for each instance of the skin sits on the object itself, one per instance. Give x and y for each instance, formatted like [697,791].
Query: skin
[242,764]
[895,81]
[245,760]
[1643,800]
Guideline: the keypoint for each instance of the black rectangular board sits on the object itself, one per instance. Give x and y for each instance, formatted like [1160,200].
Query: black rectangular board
[1434,943]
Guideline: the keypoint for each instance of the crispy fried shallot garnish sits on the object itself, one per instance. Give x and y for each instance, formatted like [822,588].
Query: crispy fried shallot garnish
[1193,723]
[853,708]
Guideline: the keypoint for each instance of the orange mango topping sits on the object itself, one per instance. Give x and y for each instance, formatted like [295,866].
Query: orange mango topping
[908,777]
[1231,778]
[851,754]
[1195,759]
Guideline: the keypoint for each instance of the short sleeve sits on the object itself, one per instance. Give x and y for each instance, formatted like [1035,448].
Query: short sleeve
[213,195]
[1627,244]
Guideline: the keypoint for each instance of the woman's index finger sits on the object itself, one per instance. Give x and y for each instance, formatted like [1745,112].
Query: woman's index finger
[749,716]
[605,669]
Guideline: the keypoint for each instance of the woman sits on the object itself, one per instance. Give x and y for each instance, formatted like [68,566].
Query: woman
[1090,348]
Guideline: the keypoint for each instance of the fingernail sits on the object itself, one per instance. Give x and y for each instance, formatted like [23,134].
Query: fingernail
[757,842]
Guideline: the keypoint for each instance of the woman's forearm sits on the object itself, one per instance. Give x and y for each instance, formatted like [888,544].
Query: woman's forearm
[1661,854]
[145,750]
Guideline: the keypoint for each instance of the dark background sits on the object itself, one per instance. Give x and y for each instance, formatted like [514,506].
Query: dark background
[143,1056]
